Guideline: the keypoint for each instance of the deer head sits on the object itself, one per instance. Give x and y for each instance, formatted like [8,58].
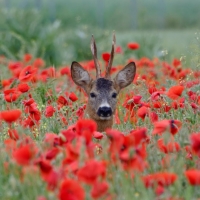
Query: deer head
[102,91]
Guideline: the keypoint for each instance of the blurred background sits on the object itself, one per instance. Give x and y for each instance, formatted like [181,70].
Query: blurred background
[60,30]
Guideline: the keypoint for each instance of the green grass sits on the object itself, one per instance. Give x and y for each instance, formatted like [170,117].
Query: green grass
[122,186]
[29,28]
[115,14]
[59,44]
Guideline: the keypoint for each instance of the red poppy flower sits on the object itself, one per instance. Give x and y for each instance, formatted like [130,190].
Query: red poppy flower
[142,112]
[195,142]
[52,153]
[178,104]
[130,102]
[51,71]
[155,96]
[99,189]
[32,109]
[137,99]
[49,111]
[160,126]
[62,101]
[193,176]
[153,117]
[91,171]
[106,56]
[23,154]
[11,95]
[134,161]
[52,139]
[10,116]
[34,112]
[28,102]
[27,57]
[45,166]
[172,125]
[169,147]
[173,147]
[38,62]
[134,158]
[176,62]
[160,178]
[160,190]
[13,134]
[15,66]
[71,190]
[73,97]
[175,92]
[6,82]
[97,135]
[145,62]
[117,140]
[65,71]
[51,178]
[175,125]
[80,111]
[23,87]
[67,136]
[27,73]
[47,73]
[86,128]
[133,45]
[194,106]
[158,104]
[63,119]
[119,50]
[137,136]
[85,125]
[72,155]
[152,89]
[29,122]
[189,152]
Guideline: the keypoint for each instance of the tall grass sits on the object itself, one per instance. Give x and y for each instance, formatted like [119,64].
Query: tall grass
[115,14]
[62,33]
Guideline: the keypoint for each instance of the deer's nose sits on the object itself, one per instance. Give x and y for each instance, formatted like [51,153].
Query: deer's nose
[104,111]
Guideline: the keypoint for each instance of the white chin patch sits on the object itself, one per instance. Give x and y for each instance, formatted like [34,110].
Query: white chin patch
[105,118]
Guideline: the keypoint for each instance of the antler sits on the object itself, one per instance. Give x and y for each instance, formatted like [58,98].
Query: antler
[108,69]
[94,53]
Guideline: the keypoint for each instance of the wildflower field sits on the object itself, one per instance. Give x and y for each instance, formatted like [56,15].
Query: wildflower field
[50,150]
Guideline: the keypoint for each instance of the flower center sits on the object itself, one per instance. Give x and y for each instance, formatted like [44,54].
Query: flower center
[27,73]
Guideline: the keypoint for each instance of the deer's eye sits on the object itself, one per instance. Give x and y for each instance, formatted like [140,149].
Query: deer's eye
[114,95]
[92,95]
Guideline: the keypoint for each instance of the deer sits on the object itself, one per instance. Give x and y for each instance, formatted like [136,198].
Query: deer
[102,92]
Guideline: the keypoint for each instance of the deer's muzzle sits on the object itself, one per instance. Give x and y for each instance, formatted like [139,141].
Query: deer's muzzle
[104,112]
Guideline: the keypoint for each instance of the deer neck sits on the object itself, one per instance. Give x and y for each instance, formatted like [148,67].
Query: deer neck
[102,125]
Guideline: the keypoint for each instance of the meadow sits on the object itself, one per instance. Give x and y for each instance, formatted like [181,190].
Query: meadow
[50,150]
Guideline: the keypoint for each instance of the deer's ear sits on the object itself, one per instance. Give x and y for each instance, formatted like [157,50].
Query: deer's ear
[125,76]
[79,75]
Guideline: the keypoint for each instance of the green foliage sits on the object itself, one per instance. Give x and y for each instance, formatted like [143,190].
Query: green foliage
[64,36]
[115,14]
[195,52]
[24,31]
[11,183]
[60,31]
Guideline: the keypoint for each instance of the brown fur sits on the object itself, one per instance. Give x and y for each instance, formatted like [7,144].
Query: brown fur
[102,125]
[102,92]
